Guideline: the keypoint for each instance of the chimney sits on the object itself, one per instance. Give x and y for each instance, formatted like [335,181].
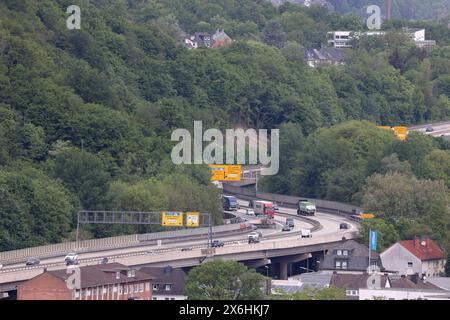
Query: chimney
[167,270]
[416,241]
[415,278]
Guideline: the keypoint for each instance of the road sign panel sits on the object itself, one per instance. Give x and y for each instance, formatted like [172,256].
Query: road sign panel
[172,219]
[225,172]
[192,219]
[367,216]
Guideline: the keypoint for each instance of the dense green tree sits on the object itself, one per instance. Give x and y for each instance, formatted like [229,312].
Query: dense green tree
[84,175]
[408,202]
[35,210]
[224,280]
[387,234]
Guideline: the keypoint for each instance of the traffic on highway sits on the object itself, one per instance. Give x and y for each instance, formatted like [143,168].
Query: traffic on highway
[318,224]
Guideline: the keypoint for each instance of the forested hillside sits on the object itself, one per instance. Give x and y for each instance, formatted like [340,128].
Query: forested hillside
[86,115]
[400,9]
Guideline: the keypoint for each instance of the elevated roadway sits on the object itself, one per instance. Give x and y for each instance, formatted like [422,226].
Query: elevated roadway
[274,243]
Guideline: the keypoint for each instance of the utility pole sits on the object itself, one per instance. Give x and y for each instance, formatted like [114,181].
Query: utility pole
[370,249]
[210,232]
[78,226]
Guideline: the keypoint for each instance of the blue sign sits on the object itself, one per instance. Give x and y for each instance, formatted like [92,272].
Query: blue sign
[373,240]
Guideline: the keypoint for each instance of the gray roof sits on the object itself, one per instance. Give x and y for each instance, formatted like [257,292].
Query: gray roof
[441,282]
[331,54]
[359,281]
[103,274]
[316,279]
[358,258]
[167,275]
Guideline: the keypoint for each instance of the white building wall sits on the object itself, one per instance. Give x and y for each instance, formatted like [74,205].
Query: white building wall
[168,297]
[419,35]
[400,294]
[433,268]
[396,258]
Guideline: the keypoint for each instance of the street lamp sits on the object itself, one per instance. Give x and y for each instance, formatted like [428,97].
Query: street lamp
[267,271]
[238,284]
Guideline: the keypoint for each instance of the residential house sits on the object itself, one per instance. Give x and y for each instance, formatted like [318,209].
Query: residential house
[112,281]
[220,39]
[324,57]
[168,283]
[206,40]
[420,255]
[350,257]
[344,39]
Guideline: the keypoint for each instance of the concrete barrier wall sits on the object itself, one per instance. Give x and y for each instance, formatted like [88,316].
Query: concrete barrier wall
[112,242]
[290,201]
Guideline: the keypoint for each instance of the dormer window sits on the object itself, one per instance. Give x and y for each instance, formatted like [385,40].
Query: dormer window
[131,273]
[118,275]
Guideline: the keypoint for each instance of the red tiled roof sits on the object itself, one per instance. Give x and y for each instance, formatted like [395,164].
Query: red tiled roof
[429,252]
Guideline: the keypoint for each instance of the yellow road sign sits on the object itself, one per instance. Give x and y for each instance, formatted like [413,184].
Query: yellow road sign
[223,172]
[192,219]
[400,132]
[172,219]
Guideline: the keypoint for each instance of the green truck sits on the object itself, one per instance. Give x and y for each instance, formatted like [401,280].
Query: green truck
[306,208]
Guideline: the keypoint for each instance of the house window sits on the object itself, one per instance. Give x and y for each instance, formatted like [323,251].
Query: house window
[345,252]
[168,287]
[339,252]
[120,289]
[126,289]
[118,275]
[410,264]
[141,287]
[155,287]
[104,290]
[351,292]
[344,264]
[338,264]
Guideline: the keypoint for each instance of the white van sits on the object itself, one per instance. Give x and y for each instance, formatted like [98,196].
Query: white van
[306,233]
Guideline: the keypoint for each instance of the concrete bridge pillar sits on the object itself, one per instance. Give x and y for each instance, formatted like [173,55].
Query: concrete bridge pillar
[283,270]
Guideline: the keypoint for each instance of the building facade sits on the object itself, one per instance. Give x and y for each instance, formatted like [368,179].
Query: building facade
[97,282]
[420,255]
[168,283]
[350,257]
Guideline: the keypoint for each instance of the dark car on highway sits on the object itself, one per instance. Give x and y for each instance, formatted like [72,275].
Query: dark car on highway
[217,243]
[290,222]
[343,226]
[32,261]
[186,249]
[430,129]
